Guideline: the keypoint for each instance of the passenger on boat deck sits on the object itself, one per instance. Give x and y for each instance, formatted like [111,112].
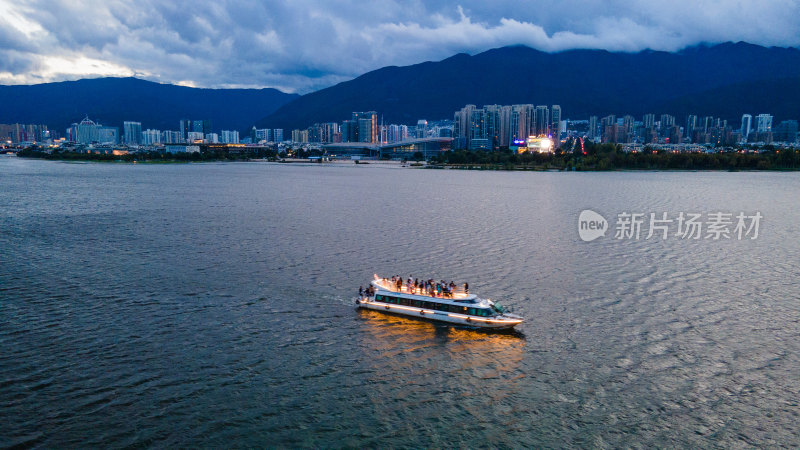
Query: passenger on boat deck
[466,288]
[361,291]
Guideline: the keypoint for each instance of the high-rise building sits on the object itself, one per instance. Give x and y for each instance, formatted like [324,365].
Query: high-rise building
[393,133]
[542,121]
[84,132]
[132,132]
[707,124]
[747,125]
[422,129]
[263,134]
[626,129]
[229,137]
[185,127]
[477,125]
[300,136]
[606,124]
[197,126]
[349,131]
[366,130]
[172,137]
[20,132]
[504,126]
[329,132]
[764,123]
[674,135]
[367,126]
[314,133]
[691,124]
[649,120]
[555,120]
[277,135]
[666,124]
[194,136]
[107,135]
[522,122]
[592,128]
[492,118]
[151,137]
[461,126]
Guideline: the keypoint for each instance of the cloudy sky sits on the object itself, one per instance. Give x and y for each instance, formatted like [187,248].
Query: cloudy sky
[303,45]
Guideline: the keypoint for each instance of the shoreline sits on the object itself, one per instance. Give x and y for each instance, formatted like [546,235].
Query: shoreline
[400,165]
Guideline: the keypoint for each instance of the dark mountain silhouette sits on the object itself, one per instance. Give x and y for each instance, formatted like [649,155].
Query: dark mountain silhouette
[724,80]
[111,101]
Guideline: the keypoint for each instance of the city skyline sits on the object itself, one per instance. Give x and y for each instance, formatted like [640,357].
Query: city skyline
[273,44]
[489,127]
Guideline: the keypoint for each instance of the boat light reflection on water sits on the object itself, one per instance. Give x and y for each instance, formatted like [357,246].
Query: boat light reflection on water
[397,344]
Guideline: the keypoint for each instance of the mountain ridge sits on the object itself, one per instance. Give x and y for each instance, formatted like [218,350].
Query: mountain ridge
[112,100]
[584,82]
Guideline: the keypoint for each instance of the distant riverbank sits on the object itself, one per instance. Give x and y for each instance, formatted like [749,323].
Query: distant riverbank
[149,157]
[595,157]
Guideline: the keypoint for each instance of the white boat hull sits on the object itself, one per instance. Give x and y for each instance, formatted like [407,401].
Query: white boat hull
[442,316]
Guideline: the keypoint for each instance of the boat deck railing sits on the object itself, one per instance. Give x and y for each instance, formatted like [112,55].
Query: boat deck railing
[457,293]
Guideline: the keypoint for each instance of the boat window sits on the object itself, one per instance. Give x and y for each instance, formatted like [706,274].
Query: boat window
[498,309]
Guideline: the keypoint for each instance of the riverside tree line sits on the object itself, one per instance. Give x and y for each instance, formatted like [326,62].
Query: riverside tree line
[612,157]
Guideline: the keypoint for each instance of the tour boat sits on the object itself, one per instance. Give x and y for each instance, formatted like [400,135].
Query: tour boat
[459,307]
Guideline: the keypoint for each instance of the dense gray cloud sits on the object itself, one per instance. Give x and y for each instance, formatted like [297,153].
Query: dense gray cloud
[304,45]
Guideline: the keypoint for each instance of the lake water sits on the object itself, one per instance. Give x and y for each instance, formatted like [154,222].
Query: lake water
[184,305]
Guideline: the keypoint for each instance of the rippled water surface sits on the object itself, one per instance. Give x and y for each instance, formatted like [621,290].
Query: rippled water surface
[211,305]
